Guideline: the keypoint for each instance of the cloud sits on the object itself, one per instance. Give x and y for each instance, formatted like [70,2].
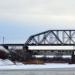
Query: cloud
[38,14]
[38,10]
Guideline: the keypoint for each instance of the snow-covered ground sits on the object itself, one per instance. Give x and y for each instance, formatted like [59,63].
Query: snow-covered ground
[3,49]
[45,66]
[7,64]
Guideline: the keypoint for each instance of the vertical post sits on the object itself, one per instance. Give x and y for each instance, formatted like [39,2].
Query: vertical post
[38,39]
[63,38]
[73,57]
[3,39]
[58,36]
[70,38]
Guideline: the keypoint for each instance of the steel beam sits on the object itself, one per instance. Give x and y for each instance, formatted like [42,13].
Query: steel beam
[52,37]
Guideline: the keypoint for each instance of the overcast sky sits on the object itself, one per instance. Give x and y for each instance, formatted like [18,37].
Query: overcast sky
[21,18]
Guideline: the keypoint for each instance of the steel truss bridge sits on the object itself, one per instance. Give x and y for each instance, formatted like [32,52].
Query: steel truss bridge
[53,38]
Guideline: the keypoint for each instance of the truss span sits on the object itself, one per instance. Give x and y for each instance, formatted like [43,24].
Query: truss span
[52,37]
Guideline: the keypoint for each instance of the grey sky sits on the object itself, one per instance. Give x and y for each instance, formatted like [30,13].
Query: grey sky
[38,10]
[24,15]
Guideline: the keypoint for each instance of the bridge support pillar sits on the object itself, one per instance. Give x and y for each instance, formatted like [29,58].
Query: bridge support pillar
[73,57]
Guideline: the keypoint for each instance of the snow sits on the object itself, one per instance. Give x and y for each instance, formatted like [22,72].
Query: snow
[9,65]
[5,65]
[52,56]
[5,62]
[3,49]
[51,48]
[44,66]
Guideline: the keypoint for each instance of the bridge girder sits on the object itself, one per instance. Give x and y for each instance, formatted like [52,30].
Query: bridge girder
[52,37]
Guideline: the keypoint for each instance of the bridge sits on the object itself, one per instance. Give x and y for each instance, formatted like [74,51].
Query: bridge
[51,42]
[53,37]
[60,40]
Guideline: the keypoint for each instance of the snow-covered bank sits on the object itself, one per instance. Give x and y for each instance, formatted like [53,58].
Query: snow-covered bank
[5,62]
[43,69]
[9,65]
[8,62]
[20,66]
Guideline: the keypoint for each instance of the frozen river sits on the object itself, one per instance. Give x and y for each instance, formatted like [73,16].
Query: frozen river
[58,71]
[50,69]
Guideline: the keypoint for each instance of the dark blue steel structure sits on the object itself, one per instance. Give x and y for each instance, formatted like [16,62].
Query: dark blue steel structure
[48,38]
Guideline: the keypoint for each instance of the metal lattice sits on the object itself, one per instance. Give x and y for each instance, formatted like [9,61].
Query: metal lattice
[53,37]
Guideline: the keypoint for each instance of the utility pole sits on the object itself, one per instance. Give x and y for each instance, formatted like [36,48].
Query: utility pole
[3,39]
